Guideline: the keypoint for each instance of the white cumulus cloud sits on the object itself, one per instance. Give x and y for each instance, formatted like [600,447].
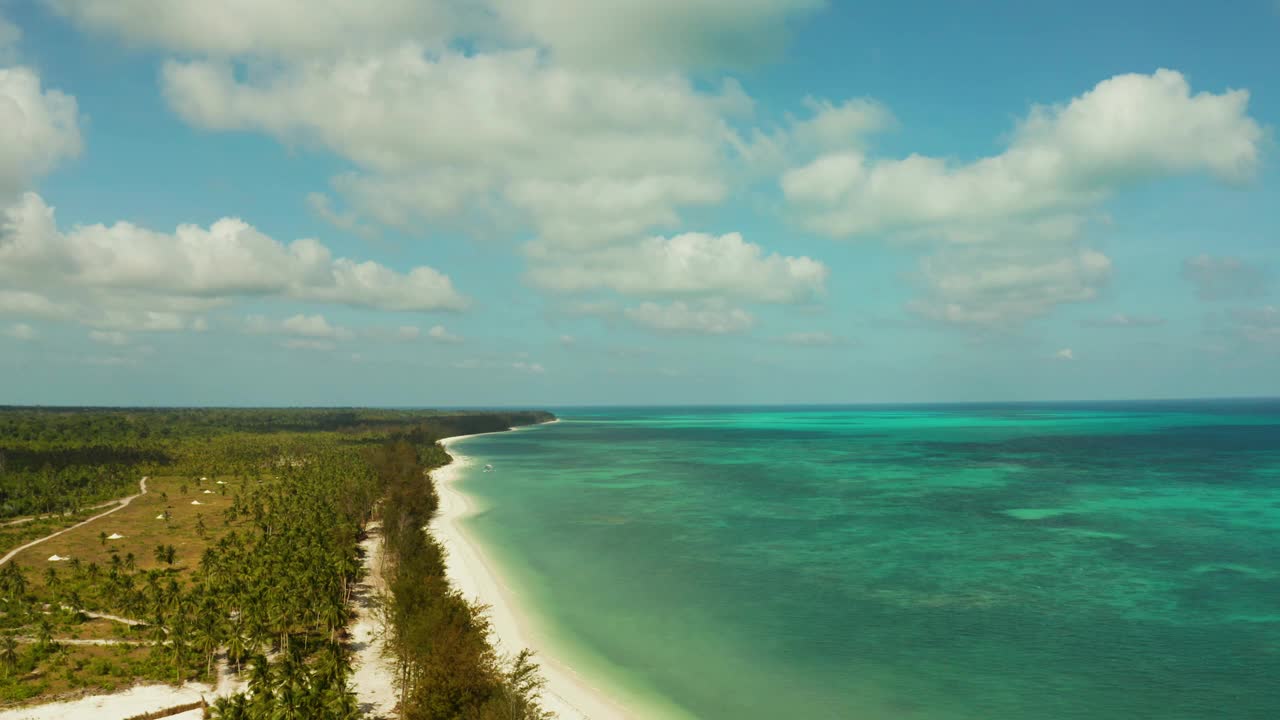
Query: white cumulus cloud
[133,277]
[1253,327]
[282,28]
[438,333]
[1127,129]
[40,129]
[655,33]
[1002,286]
[109,337]
[315,326]
[1225,278]
[585,155]
[706,318]
[1124,320]
[312,327]
[686,264]
[633,34]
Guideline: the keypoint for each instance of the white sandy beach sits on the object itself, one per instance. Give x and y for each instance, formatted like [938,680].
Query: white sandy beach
[134,701]
[567,693]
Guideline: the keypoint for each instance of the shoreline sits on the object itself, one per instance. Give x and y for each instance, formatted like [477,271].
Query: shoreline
[567,694]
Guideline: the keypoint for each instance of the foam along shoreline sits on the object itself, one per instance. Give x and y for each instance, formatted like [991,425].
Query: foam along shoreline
[567,693]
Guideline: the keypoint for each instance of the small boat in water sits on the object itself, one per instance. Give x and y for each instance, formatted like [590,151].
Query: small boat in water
[488,468]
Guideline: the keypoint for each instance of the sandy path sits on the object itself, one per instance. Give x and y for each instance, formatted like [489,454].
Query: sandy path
[104,616]
[567,694]
[25,520]
[124,502]
[373,676]
[112,618]
[84,641]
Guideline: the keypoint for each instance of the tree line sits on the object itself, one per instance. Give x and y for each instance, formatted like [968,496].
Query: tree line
[446,666]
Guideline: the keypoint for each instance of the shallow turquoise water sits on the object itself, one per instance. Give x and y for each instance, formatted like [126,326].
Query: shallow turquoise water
[980,562]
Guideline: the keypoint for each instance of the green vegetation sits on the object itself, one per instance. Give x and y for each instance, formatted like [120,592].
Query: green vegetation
[56,460]
[445,665]
[259,577]
[25,530]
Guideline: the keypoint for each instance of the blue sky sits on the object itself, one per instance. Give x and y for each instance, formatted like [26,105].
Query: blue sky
[558,202]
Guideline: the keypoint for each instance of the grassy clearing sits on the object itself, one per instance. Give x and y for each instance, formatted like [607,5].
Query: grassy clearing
[54,672]
[142,531]
[12,536]
[40,674]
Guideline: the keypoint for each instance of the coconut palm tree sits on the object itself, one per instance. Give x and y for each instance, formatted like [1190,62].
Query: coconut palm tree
[8,653]
[261,685]
[237,643]
[233,707]
[44,634]
[205,638]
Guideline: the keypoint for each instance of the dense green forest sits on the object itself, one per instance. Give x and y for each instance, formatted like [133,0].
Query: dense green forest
[59,460]
[270,593]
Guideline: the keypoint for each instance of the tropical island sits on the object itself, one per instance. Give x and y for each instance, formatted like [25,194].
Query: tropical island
[240,564]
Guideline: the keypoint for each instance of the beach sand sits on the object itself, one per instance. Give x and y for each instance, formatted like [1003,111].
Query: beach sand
[567,694]
[374,675]
[134,701]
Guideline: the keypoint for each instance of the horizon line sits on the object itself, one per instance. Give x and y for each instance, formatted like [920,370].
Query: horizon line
[533,407]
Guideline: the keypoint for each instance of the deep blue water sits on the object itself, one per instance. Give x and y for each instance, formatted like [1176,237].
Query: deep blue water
[1027,562]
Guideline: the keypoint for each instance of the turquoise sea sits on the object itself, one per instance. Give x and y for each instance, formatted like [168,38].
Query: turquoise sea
[983,562]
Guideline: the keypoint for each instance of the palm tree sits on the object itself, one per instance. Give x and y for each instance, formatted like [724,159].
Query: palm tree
[12,582]
[9,653]
[234,707]
[339,703]
[332,665]
[205,637]
[237,644]
[333,615]
[281,618]
[260,684]
[44,634]
[156,630]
